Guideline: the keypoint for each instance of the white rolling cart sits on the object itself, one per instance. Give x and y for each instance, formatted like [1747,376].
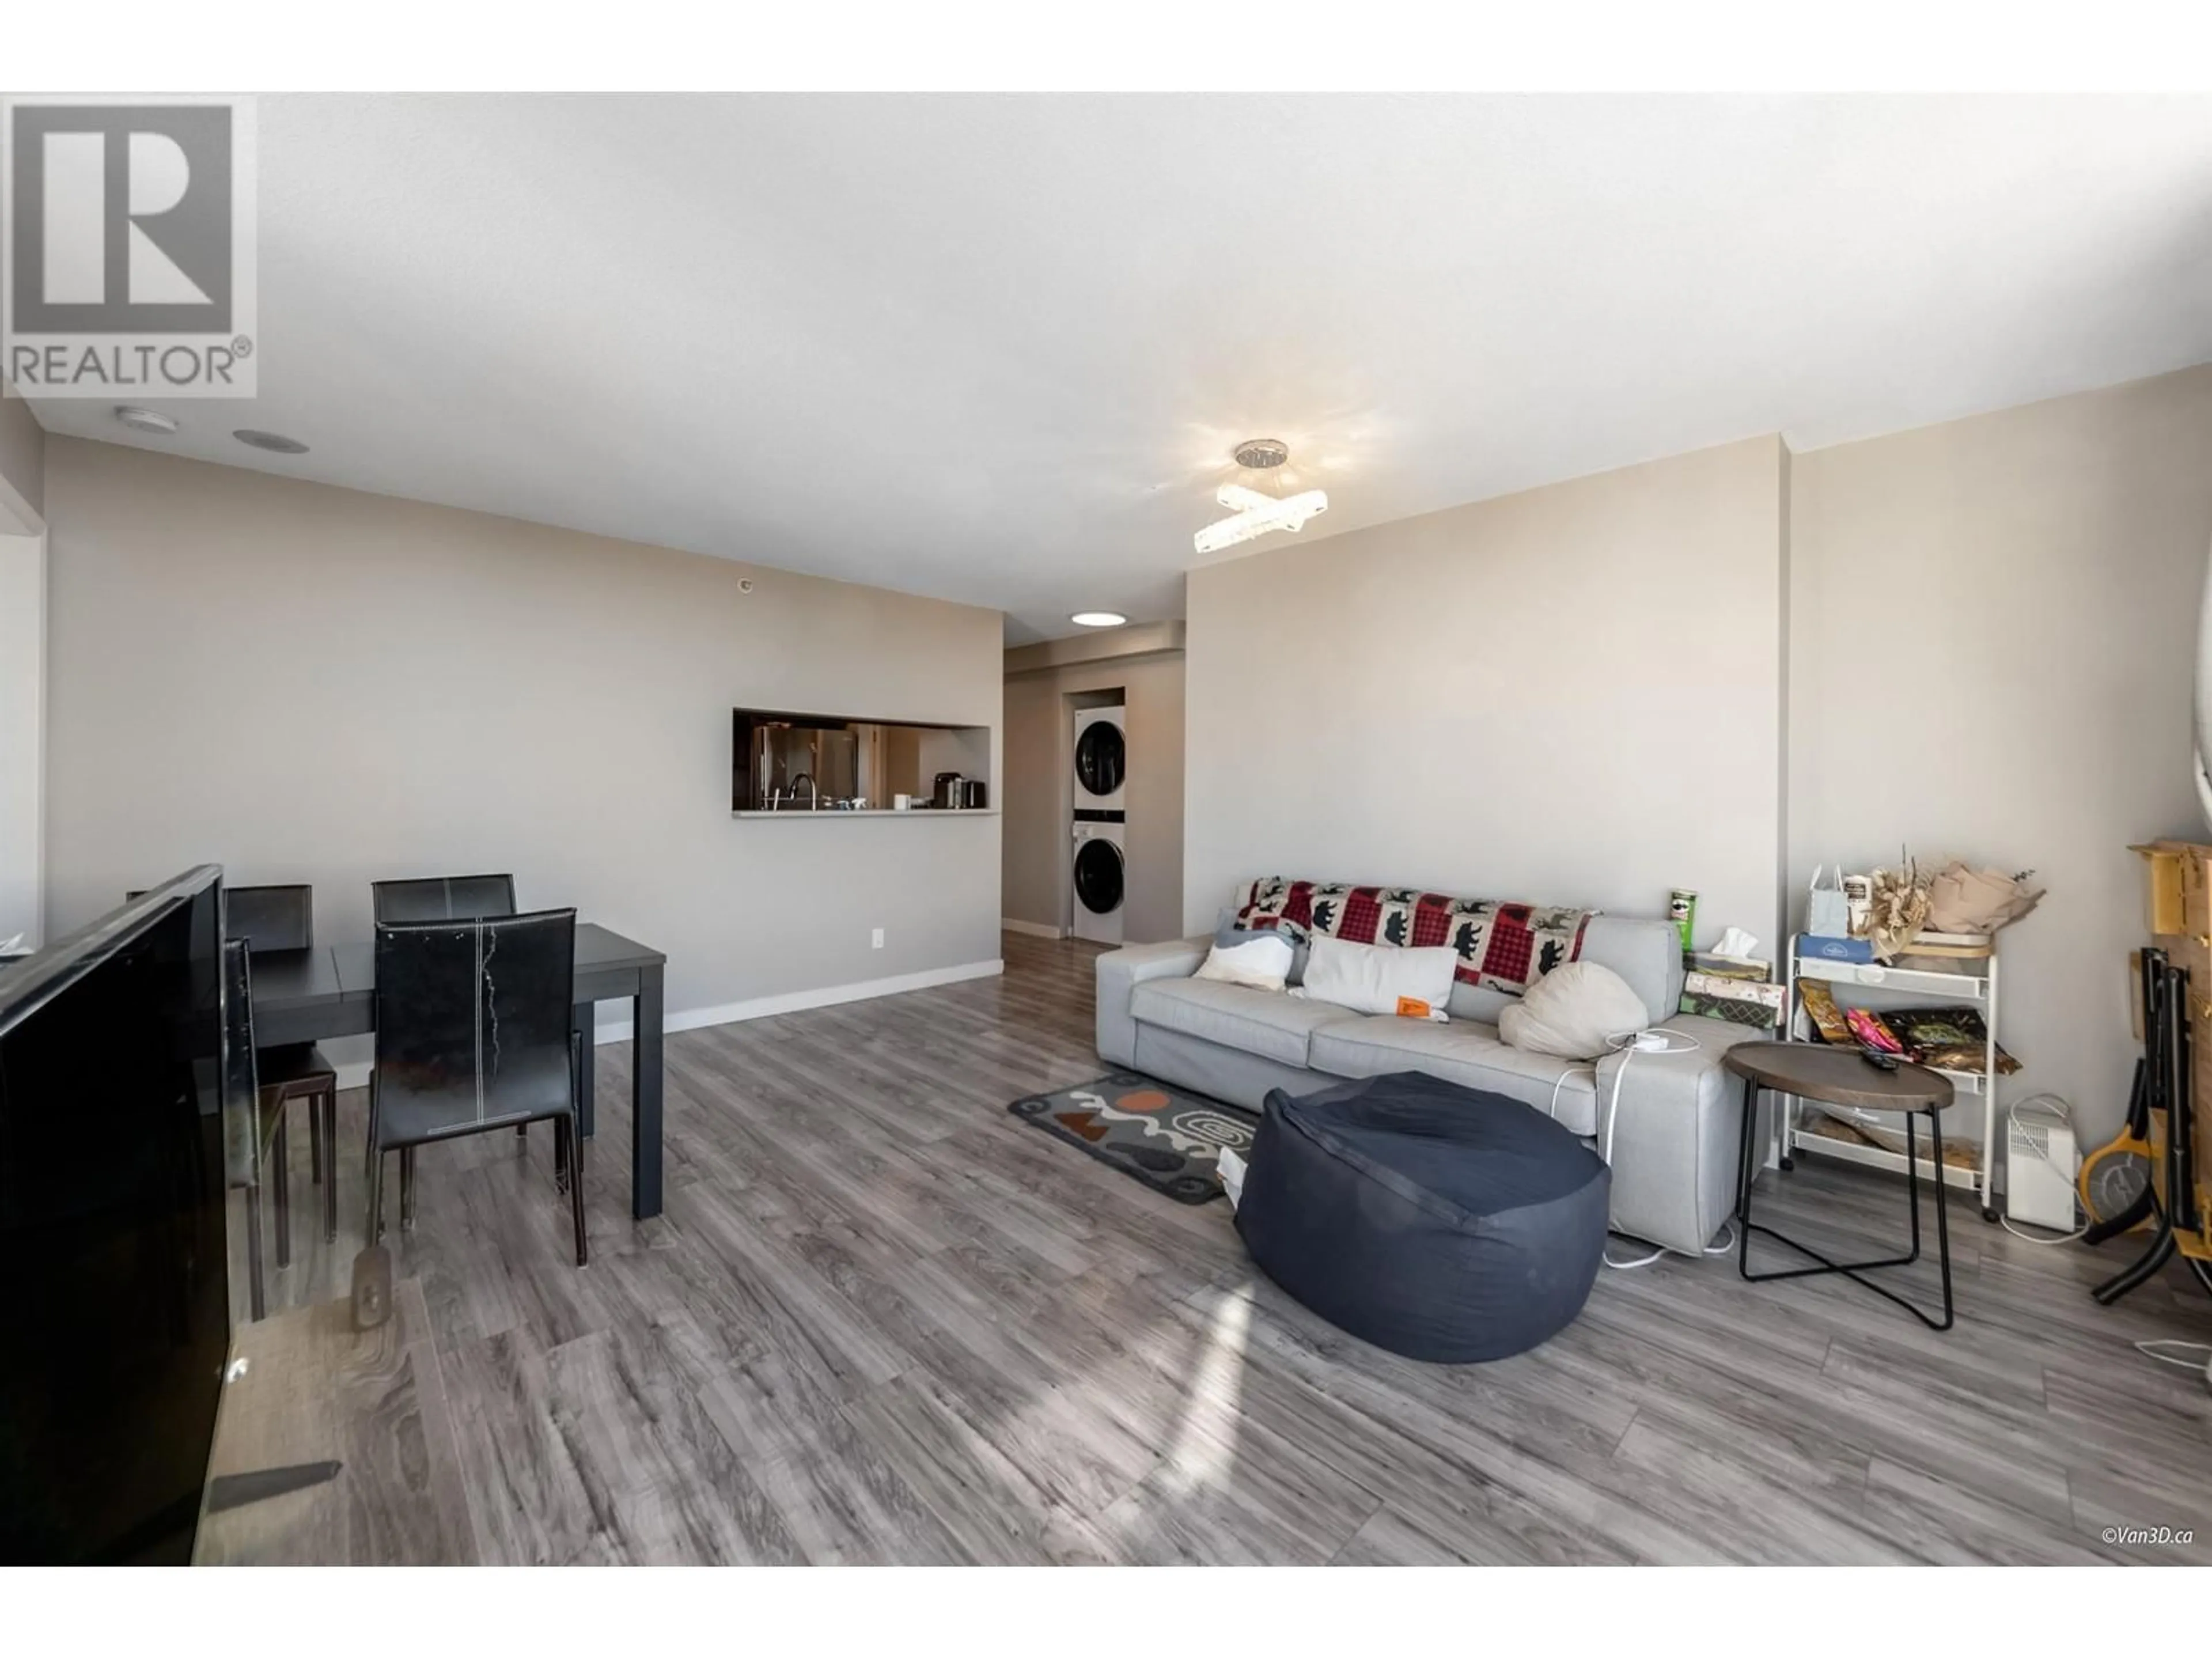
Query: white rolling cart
[1973,982]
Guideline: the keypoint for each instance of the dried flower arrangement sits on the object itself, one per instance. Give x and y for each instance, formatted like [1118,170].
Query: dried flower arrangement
[1897,908]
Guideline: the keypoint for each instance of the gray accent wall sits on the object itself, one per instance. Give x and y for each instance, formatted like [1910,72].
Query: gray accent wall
[309,684]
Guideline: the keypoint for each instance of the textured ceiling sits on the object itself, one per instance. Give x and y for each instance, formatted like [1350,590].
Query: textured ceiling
[998,349]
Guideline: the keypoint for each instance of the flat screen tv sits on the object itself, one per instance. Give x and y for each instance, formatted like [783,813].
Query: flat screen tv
[116,1304]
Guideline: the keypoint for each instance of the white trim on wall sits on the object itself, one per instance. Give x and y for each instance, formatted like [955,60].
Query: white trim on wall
[1034,929]
[789,1002]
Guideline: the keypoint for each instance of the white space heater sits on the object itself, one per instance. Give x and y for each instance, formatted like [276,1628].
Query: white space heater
[2040,1163]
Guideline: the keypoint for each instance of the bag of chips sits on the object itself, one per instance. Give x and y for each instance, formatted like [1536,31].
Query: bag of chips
[1819,1004]
[1870,1032]
[1949,1039]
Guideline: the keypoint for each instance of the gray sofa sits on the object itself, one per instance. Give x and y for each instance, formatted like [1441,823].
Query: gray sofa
[1674,1145]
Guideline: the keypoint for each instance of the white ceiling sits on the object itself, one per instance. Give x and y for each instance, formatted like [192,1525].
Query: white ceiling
[998,349]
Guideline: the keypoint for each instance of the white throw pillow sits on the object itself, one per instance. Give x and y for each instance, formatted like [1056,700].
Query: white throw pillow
[1381,979]
[1263,963]
[1579,1011]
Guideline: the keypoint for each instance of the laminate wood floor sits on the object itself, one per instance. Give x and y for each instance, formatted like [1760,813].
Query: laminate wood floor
[881,1320]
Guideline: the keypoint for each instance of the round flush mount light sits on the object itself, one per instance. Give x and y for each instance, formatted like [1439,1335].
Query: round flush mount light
[145,420]
[1098,619]
[1260,453]
[274,442]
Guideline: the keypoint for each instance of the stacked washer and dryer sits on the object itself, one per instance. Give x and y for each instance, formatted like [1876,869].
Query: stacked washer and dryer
[1101,771]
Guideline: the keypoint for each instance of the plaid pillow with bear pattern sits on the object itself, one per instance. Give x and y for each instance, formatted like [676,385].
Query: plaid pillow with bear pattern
[1501,946]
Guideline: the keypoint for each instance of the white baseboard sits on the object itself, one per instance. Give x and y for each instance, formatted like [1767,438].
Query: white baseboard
[1034,929]
[792,1002]
[787,1002]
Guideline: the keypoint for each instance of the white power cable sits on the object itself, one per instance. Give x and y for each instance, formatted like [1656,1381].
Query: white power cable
[1572,1071]
[2203,1366]
[1628,1046]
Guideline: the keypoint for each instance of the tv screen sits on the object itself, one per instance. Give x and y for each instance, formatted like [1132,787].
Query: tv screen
[112,1232]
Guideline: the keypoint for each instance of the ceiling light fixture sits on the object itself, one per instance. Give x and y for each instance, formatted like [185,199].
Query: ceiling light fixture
[1098,619]
[145,420]
[274,442]
[1256,513]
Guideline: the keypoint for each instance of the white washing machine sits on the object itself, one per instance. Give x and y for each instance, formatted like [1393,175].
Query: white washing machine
[1102,761]
[1100,877]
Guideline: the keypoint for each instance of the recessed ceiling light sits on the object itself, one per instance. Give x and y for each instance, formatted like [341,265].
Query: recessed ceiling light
[1098,619]
[145,420]
[274,442]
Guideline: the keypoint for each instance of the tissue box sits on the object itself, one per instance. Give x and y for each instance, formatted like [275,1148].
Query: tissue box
[1829,948]
[1706,962]
[1739,1001]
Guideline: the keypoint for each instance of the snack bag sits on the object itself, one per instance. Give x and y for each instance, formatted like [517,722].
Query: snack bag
[1949,1039]
[1867,1027]
[1820,1008]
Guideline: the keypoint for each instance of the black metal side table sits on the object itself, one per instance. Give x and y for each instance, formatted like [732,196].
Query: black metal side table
[1840,1076]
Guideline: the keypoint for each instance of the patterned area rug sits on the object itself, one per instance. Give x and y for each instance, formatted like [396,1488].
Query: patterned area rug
[1164,1138]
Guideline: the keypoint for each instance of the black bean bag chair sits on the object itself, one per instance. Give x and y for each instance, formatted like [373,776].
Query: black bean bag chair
[1439,1222]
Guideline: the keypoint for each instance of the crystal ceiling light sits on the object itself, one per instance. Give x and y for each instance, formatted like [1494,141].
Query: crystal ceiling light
[1256,513]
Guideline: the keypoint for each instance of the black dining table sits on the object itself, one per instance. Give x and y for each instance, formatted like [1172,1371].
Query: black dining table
[330,991]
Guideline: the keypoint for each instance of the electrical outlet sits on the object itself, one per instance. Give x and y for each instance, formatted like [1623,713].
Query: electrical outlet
[877,941]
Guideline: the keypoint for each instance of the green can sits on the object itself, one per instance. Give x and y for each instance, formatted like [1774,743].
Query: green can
[1682,911]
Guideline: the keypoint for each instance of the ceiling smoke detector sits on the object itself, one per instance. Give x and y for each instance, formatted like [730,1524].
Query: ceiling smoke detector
[1261,452]
[274,442]
[145,420]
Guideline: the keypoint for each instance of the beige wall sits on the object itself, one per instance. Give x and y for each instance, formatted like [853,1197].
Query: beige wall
[22,737]
[23,461]
[1039,790]
[1994,634]
[305,683]
[1568,696]
[1718,671]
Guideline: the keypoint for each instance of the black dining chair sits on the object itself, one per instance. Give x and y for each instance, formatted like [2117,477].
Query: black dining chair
[269,919]
[473,1034]
[265,1112]
[442,898]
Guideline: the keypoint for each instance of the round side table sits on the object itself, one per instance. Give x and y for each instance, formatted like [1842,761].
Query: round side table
[1840,1076]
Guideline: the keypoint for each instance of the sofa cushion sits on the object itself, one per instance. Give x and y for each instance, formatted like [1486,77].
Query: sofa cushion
[1579,1011]
[1261,961]
[1271,1023]
[1461,1052]
[1380,979]
[1645,951]
[1227,931]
